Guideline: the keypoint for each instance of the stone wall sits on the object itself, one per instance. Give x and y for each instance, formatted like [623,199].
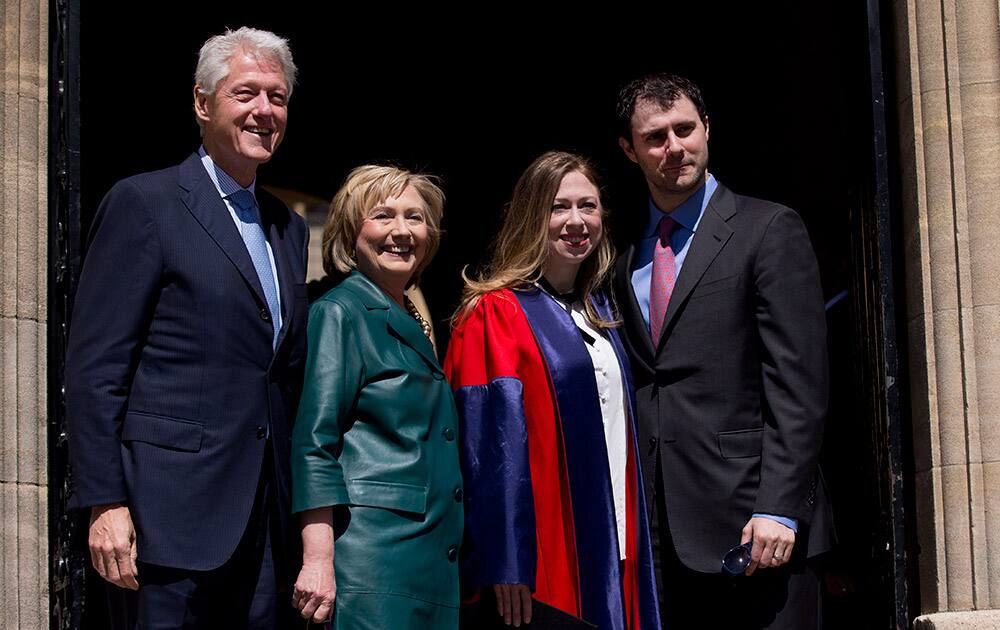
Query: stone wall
[948,88]
[23,268]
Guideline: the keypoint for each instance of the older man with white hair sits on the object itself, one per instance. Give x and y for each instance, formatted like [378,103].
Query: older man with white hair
[185,360]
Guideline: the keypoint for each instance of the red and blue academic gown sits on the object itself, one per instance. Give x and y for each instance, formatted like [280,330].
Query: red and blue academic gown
[538,498]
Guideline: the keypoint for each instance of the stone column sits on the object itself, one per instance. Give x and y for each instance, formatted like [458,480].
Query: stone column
[24,598]
[948,88]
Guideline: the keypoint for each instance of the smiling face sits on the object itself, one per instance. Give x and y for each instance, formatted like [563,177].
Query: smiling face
[244,118]
[393,241]
[671,148]
[575,226]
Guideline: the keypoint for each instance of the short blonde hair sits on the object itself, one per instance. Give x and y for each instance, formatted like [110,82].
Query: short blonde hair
[364,188]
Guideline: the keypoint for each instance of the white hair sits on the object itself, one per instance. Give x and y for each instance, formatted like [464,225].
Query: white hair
[215,54]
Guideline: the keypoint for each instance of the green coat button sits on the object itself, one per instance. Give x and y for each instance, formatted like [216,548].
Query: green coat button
[458,495]
[452,553]
[449,434]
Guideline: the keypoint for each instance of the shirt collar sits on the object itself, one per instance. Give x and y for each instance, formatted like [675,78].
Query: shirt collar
[688,214]
[225,184]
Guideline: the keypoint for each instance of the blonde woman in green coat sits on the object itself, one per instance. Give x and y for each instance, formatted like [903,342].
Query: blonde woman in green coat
[375,469]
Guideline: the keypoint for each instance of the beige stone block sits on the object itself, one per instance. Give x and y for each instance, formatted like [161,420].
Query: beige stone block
[8,399]
[967,620]
[991,482]
[314,270]
[931,539]
[28,555]
[31,411]
[923,394]
[973,440]
[9,559]
[8,209]
[981,142]
[980,120]
[951,376]
[30,36]
[986,320]
[9,56]
[978,40]
[958,537]
[929,40]
[980,536]
[30,253]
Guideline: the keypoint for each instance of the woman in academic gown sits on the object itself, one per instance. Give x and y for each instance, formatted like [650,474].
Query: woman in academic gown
[375,461]
[553,493]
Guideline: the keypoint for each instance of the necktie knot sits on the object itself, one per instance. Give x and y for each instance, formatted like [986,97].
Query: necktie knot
[667,226]
[245,204]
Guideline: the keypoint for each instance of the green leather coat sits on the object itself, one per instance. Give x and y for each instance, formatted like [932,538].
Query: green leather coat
[377,433]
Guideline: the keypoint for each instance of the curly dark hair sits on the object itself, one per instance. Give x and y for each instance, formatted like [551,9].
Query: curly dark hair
[662,88]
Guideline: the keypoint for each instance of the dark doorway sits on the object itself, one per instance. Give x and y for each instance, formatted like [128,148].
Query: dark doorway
[474,97]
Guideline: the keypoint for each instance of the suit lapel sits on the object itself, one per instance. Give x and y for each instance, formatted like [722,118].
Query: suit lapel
[709,239]
[409,332]
[631,313]
[279,248]
[203,201]
[401,325]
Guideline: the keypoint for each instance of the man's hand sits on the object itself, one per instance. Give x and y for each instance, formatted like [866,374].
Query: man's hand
[513,603]
[772,543]
[112,545]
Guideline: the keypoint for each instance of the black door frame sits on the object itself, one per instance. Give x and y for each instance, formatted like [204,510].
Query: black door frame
[875,243]
[874,297]
[68,557]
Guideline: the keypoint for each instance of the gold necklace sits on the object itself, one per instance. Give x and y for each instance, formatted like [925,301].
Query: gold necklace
[411,308]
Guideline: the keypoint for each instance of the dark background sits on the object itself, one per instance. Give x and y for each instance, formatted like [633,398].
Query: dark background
[475,94]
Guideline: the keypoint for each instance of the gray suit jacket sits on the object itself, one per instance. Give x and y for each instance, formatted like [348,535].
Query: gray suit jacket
[732,397]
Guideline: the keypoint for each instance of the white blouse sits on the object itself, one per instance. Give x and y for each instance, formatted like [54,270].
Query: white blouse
[611,391]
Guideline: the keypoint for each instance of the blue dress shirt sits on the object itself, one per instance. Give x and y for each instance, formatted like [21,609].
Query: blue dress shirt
[687,216]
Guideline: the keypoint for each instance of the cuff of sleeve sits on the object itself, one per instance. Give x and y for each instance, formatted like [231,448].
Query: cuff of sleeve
[790,523]
[318,496]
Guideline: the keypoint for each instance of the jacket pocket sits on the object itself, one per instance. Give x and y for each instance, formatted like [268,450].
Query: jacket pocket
[181,435]
[741,443]
[715,286]
[388,494]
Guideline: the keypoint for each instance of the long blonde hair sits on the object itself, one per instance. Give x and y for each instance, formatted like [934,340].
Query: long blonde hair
[521,249]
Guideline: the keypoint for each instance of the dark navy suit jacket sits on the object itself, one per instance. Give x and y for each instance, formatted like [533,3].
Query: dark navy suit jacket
[172,385]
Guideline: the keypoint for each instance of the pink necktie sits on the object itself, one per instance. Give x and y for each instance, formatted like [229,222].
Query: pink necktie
[662,283]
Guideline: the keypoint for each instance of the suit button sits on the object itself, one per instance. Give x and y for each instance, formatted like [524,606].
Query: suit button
[261,432]
[438,376]
[458,495]
[652,441]
[449,434]
[265,315]
[452,553]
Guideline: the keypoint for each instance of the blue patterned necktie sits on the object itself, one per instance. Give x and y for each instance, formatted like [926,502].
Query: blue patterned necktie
[253,236]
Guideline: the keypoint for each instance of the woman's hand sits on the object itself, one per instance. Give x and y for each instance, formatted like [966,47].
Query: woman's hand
[316,587]
[513,603]
[315,591]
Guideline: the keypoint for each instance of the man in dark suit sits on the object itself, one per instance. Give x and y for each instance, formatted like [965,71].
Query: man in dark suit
[723,320]
[185,359]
